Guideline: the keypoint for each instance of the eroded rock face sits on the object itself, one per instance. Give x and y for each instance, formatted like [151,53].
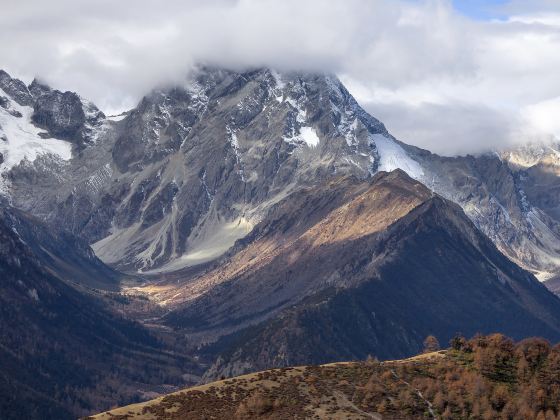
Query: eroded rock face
[37,89]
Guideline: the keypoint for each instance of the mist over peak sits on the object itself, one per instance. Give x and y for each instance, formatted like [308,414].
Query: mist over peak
[444,75]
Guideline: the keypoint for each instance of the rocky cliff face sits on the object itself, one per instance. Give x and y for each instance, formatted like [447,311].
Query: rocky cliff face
[63,115]
[41,128]
[194,167]
[16,89]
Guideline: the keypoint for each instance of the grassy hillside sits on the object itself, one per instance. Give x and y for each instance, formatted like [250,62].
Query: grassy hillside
[487,377]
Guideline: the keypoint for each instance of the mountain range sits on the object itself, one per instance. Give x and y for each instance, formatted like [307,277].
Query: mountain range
[276,133]
[248,220]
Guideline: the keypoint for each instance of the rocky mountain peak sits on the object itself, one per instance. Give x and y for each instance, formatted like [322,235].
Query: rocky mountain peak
[231,143]
[299,109]
[34,120]
[16,89]
[38,88]
[65,115]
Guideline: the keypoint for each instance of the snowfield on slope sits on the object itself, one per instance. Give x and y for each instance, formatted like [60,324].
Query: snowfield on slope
[392,156]
[21,140]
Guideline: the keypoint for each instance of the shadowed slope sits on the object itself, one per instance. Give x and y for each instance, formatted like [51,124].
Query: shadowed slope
[367,268]
[63,353]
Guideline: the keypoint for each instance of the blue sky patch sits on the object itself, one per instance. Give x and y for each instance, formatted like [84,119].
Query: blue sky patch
[481,9]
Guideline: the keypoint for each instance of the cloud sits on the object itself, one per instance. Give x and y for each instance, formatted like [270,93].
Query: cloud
[130,48]
[510,97]
[449,129]
[545,116]
[475,82]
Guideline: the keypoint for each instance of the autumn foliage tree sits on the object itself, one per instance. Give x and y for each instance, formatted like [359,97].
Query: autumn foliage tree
[431,344]
[492,377]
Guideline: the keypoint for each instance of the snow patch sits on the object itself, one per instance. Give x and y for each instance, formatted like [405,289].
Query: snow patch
[392,156]
[90,110]
[33,294]
[232,135]
[301,116]
[198,95]
[306,135]
[280,85]
[309,136]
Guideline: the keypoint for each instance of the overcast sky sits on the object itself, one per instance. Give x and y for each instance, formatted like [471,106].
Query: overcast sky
[455,77]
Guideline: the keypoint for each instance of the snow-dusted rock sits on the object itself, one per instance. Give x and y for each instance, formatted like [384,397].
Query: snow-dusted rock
[16,89]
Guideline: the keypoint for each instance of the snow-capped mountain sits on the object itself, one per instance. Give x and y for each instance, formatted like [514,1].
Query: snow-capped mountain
[38,121]
[194,167]
[260,206]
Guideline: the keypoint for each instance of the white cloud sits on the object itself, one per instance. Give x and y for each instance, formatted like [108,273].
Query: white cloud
[545,116]
[447,129]
[439,79]
[508,98]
